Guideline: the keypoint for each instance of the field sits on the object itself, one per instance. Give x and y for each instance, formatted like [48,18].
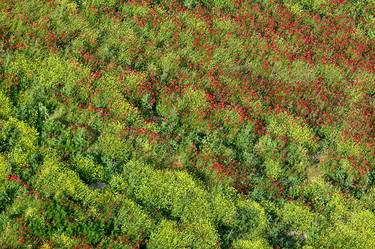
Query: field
[172,124]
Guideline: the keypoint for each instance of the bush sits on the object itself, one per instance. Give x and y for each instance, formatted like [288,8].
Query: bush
[5,106]
[18,140]
[250,221]
[166,236]
[133,221]
[200,235]
[297,216]
[88,170]
[250,244]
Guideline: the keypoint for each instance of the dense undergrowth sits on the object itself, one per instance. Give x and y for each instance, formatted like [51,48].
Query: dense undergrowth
[187,124]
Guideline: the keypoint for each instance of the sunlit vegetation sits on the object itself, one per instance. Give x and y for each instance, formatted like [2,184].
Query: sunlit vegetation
[187,124]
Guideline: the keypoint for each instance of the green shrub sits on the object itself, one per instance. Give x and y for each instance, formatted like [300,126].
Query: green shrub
[88,170]
[5,106]
[200,235]
[113,146]
[18,140]
[4,170]
[297,216]
[250,221]
[259,243]
[166,236]
[354,231]
[133,221]
[224,208]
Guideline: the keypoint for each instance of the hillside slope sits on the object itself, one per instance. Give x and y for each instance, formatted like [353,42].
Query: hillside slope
[187,124]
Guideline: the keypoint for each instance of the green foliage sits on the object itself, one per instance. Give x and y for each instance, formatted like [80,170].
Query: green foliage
[118,183]
[54,70]
[88,170]
[200,235]
[115,46]
[167,105]
[113,146]
[174,192]
[9,235]
[32,107]
[166,235]
[297,131]
[186,124]
[331,74]
[53,179]
[3,168]
[251,220]
[8,192]
[266,148]
[224,208]
[367,199]
[195,103]
[287,142]
[133,81]
[246,137]
[297,216]
[5,106]
[18,140]
[249,244]
[273,168]
[355,230]
[317,191]
[169,64]
[134,221]
[230,120]
[62,240]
